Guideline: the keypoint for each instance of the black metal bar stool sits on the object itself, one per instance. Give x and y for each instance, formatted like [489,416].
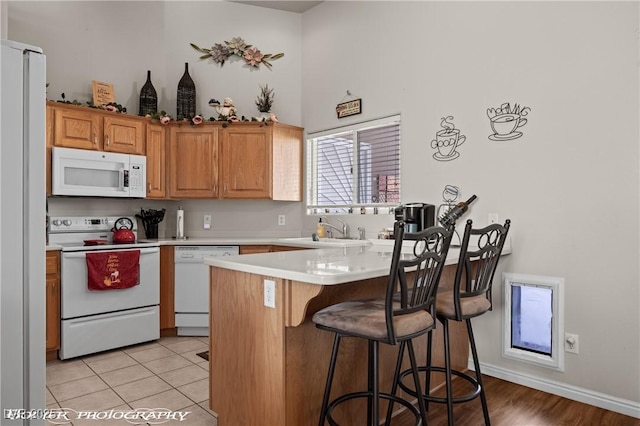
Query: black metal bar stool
[414,274]
[471,297]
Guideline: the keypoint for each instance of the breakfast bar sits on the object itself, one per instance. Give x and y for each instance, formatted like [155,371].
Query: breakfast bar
[268,364]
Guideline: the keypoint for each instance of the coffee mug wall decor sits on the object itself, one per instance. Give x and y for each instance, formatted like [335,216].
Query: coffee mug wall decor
[507,121]
[447,141]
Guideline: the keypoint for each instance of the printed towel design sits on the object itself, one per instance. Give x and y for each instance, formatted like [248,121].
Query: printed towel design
[109,270]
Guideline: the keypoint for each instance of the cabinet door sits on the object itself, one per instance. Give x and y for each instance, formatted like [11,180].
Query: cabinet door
[255,249]
[193,162]
[53,313]
[155,150]
[246,162]
[123,135]
[50,117]
[167,292]
[52,303]
[77,129]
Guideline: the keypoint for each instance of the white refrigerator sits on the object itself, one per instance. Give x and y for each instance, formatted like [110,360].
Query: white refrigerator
[22,229]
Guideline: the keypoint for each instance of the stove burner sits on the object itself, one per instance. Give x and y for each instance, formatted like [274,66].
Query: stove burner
[95,242]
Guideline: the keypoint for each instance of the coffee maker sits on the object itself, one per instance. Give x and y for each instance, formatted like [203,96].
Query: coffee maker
[417,216]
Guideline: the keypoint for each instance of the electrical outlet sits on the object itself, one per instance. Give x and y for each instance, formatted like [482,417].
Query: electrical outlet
[207,221]
[571,343]
[493,218]
[269,293]
[281,219]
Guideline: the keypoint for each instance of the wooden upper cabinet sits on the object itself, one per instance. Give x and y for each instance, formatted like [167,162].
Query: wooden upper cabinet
[122,134]
[245,162]
[89,128]
[156,160]
[286,178]
[77,128]
[49,118]
[193,162]
[261,161]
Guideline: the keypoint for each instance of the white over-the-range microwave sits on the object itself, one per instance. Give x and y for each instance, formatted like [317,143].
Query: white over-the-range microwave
[89,173]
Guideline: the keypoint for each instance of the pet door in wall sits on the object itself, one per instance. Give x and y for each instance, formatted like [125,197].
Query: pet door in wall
[533,320]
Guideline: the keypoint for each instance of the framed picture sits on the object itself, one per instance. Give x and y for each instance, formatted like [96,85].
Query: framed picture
[102,93]
[346,109]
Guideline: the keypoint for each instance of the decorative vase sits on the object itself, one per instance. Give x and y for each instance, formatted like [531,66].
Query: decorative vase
[148,98]
[186,107]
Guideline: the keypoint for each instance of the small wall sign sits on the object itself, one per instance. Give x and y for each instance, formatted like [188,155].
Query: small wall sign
[346,109]
[102,93]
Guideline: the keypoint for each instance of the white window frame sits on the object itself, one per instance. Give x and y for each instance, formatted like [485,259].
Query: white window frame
[312,172]
[556,285]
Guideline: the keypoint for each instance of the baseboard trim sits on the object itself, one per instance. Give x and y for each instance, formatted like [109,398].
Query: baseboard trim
[586,396]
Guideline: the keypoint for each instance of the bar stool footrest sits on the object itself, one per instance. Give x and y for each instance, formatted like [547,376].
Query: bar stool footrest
[456,400]
[365,394]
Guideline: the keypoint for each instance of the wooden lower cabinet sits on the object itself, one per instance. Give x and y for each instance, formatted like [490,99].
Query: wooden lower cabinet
[167,292]
[52,302]
[265,248]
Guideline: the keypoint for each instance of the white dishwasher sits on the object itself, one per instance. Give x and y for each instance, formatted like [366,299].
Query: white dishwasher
[192,287]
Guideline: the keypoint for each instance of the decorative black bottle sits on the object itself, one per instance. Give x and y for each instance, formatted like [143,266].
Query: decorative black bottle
[148,98]
[186,107]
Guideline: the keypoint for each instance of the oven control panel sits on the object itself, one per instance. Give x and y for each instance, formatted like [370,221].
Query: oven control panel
[65,224]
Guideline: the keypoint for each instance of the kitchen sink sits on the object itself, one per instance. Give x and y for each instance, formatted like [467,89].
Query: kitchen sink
[325,242]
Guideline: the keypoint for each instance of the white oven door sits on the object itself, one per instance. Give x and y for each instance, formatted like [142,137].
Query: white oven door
[79,301]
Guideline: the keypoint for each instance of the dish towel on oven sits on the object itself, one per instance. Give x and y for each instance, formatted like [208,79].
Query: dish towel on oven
[109,270]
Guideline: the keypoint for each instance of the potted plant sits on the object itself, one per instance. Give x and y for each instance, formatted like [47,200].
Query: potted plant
[264,101]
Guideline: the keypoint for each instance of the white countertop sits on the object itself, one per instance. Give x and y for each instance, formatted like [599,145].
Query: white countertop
[324,266]
[240,241]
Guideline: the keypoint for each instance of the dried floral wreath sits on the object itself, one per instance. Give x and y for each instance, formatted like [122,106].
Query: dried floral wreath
[237,46]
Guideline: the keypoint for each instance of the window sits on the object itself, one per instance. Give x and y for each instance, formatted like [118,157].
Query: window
[354,166]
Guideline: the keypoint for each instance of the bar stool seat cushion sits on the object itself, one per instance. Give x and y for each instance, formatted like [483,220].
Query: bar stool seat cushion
[469,306]
[366,318]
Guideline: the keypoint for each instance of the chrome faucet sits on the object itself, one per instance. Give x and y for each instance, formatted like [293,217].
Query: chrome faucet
[344,231]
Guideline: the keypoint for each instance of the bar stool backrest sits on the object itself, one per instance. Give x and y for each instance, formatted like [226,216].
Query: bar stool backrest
[415,272]
[478,281]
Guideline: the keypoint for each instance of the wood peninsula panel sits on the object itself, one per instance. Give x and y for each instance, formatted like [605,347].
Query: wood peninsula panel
[276,360]
[247,351]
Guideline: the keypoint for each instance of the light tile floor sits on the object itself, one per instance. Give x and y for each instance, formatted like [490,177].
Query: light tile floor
[166,374]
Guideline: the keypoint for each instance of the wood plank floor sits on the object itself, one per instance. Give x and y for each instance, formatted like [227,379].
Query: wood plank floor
[514,405]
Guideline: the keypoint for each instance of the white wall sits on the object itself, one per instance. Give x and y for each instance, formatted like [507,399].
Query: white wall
[569,184]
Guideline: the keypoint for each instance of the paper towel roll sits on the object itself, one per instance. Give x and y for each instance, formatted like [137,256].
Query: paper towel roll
[180,223]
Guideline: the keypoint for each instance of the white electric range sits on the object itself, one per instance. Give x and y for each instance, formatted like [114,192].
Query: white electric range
[95,320]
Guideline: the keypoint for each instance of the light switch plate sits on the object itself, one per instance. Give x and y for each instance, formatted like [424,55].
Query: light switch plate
[207,221]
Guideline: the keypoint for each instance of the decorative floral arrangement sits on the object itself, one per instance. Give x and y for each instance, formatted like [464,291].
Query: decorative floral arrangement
[111,106]
[165,118]
[264,101]
[237,46]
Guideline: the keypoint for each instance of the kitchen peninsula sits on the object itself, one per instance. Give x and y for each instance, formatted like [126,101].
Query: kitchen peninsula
[268,365]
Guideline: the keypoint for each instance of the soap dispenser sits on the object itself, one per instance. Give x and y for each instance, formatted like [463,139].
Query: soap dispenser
[320,231]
